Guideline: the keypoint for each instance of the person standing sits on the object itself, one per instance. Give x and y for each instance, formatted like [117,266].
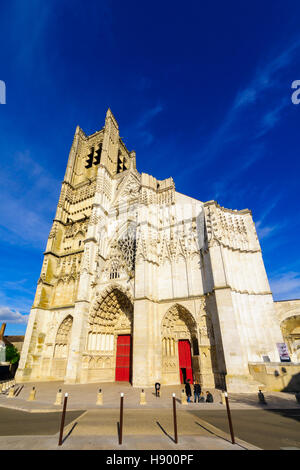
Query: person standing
[157,389]
[261,397]
[197,391]
[188,390]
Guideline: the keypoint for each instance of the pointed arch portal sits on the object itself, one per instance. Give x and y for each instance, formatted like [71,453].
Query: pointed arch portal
[179,343]
[61,348]
[108,351]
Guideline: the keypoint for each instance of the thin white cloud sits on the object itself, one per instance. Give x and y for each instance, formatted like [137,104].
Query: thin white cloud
[270,118]
[265,231]
[18,286]
[140,128]
[8,315]
[248,158]
[148,115]
[28,196]
[267,208]
[265,79]
[286,285]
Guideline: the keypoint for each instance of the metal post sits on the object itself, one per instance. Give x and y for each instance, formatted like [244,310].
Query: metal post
[175,419]
[62,423]
[121,418]
[229,417]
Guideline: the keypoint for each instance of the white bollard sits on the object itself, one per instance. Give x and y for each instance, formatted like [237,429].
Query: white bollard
[143,398]
[32,394]
[58,400]
[183,398]
[99,398]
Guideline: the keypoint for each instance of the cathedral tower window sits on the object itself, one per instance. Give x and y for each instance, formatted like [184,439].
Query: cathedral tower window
[90,157]
[119,166]
[98,154]
[122,163]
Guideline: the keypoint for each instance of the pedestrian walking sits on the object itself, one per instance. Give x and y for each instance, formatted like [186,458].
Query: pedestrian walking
[157,389]
[197,391]
[209,397]
[188,390]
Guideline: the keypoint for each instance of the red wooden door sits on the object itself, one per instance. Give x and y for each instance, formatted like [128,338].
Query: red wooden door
[185,360]
[123,358]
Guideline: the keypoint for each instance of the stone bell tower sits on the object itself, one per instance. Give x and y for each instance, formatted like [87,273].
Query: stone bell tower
[63,289]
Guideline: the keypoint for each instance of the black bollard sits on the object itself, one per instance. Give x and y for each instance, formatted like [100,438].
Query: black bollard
[175,420]
[62,423]
[229,417]
[121,418]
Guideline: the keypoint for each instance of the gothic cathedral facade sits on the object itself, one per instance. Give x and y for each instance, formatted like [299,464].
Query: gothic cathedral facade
[142,283]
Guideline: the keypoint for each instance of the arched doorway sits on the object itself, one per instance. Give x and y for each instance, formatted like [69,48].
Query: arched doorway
[290,328]
[179,345]
[108,355]
[61,348]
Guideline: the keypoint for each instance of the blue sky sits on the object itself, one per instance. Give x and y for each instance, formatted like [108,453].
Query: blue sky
[201,91]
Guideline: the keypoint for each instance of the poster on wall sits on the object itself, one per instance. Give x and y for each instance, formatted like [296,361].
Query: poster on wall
[283,352]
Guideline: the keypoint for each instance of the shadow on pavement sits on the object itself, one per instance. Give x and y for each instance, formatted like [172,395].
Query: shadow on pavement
[287,413]
[16,422]
[272,400]
[69,433]
[165,432]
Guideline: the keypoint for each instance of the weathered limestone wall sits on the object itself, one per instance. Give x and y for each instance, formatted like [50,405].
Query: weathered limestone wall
[277,377]
[39,359]
[246,316]
[287,308]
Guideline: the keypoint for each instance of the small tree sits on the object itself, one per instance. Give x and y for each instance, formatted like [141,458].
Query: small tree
[12,354]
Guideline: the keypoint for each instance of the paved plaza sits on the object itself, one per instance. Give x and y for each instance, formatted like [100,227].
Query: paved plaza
[98,429]
[84,396]
[35,424]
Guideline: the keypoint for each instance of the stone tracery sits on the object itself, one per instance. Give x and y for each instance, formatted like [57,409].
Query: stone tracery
[63,338]
[109,315]
[179,321]
[121,259]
